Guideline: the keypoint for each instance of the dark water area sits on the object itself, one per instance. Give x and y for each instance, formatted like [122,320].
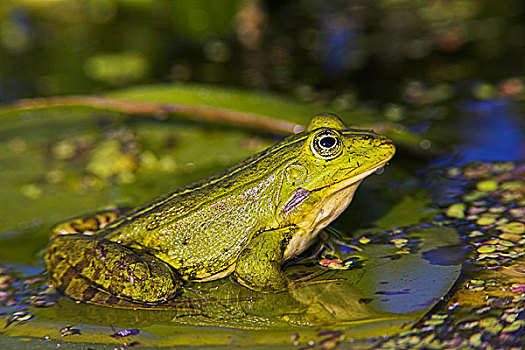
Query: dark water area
[498,133]
[446,255]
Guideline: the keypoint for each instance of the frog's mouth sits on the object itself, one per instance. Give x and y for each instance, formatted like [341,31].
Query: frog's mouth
[301,194]
[339,185]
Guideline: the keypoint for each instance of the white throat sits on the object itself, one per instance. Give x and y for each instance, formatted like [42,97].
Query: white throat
[330,207]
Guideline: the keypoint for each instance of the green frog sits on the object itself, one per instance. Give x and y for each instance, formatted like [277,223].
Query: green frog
[244,222]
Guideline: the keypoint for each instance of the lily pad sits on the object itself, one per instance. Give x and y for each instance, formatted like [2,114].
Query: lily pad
[385,295]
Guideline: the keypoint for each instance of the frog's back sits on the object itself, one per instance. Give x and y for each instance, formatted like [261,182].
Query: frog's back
[201,229]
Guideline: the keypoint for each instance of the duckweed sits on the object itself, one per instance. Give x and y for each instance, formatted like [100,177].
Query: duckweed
[513,228]
[487,185]
[457,210]
[486,249]
[486,309]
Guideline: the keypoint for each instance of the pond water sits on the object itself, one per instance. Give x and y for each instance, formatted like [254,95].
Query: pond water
[498,134]
[430,253]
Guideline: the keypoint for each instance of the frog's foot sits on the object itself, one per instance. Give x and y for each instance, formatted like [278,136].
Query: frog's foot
[95,270]
[88,224]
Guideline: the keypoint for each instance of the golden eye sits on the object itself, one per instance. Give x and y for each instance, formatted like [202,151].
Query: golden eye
[326,144]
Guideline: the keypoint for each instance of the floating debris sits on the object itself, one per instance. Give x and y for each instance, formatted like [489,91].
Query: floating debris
[334,263]
[69,330]
[18,317]
[125,333]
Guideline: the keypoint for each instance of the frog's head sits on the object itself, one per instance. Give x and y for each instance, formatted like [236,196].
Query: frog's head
[330,162]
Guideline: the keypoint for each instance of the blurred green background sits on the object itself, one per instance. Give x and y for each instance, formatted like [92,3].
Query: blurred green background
[383,50]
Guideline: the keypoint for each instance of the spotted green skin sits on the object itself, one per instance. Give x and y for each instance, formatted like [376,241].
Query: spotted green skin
[245,221]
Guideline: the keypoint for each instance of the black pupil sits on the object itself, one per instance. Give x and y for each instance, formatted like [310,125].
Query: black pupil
[327,142]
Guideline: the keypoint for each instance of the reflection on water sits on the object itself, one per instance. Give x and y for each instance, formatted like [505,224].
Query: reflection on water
[491,132]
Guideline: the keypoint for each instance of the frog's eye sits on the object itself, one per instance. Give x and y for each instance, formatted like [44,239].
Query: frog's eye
[326,144]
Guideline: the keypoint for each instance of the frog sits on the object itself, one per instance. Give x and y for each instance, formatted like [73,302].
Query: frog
[244,222]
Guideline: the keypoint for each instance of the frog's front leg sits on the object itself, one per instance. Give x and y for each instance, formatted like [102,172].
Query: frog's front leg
[96,270]
[259,264]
